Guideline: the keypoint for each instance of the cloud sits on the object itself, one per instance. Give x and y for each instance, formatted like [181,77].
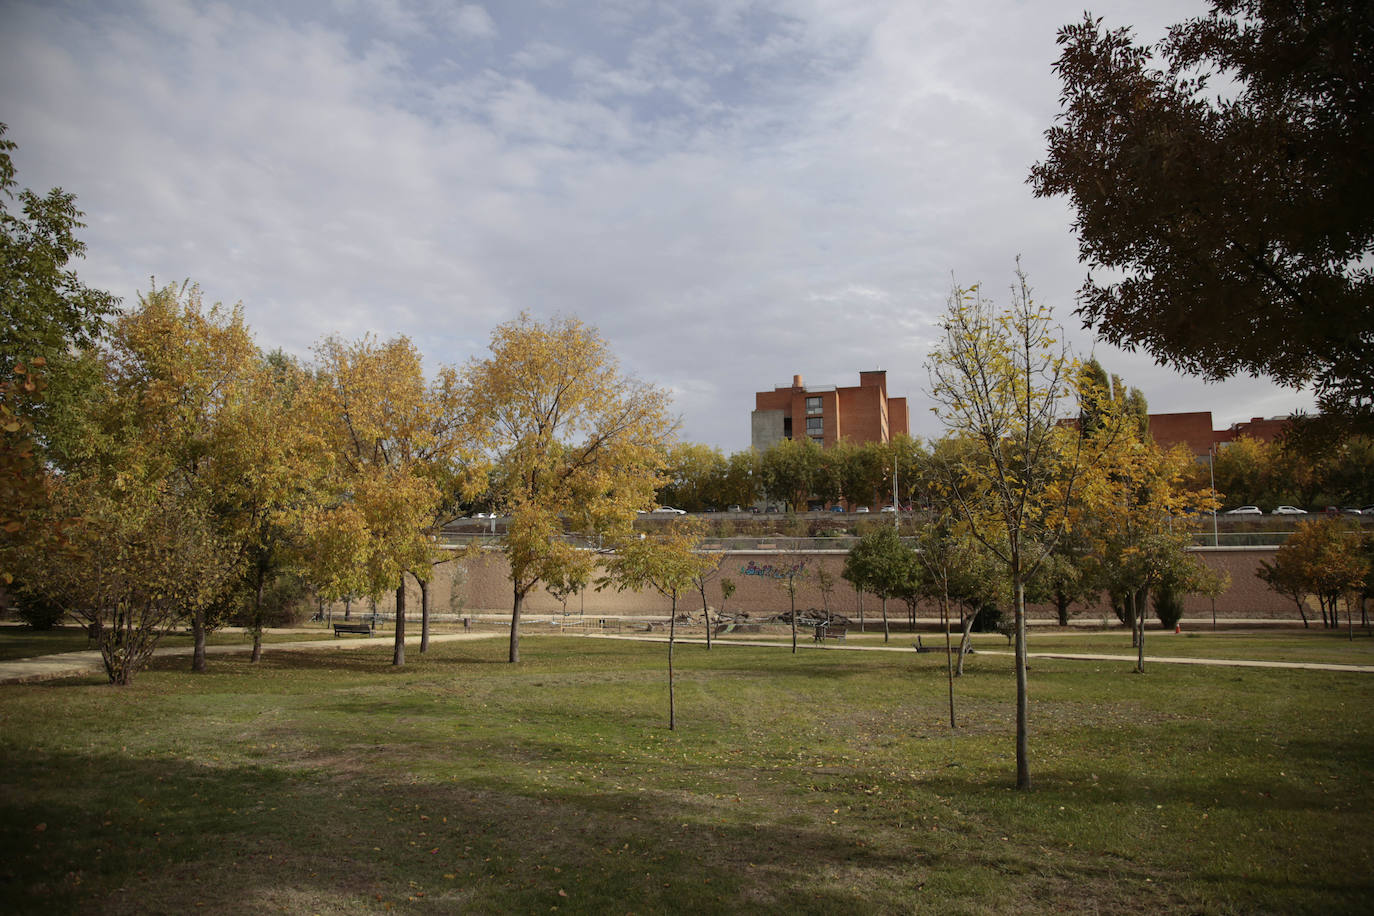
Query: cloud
[732,191]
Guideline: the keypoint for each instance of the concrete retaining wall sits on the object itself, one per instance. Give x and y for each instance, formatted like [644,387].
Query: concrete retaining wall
[484,587]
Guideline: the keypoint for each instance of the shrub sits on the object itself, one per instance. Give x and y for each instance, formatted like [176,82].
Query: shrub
[1168,606]
[38,611]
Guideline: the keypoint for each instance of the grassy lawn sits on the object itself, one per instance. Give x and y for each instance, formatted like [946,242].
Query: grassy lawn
[829,782]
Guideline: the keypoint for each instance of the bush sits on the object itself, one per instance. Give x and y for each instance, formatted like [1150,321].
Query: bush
[987,619]
[1169,607]
[38,611]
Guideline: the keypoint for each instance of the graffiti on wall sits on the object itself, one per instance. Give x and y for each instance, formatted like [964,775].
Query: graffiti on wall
[770,571]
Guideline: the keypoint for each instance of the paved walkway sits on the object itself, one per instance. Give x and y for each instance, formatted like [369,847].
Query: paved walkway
[79,664]
[808,643]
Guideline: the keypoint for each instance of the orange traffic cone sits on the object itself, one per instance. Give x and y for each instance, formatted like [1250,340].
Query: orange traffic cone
[1178,628]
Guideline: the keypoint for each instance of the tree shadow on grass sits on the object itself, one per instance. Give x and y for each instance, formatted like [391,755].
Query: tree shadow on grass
[118,835]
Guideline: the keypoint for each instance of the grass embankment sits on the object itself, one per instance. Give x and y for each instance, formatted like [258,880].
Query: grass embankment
[328,782]
[26,642]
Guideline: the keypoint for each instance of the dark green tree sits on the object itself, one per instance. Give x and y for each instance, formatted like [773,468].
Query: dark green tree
[44,308]
[1236,228]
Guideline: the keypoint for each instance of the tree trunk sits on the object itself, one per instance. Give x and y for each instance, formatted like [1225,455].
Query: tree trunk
[348,607]
[398,652]
[792,597]
[1023,779]
[198,639]
[424,616]
[966,640]
[861,610]
[887,633]
[949,654]
[1061,603]
[1302,611]
[515,626]
[672,636]
[1141,597]
[257,617]
[706,614]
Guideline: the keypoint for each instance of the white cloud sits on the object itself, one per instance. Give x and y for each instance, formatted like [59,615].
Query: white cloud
[733,191]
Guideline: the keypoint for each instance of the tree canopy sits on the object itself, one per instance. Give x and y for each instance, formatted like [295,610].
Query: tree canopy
[44,308]
[1235,230]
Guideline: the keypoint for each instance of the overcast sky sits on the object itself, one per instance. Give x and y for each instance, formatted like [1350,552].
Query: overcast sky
[732,191]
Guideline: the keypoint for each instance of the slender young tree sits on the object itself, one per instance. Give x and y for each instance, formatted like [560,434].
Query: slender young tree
[667,561]
[1003,379]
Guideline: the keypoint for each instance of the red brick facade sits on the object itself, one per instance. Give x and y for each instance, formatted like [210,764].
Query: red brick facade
[1195,430]
[862,413]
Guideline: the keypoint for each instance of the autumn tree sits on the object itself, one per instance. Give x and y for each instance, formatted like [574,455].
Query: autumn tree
[1003,378]
[153,546]
[136,456]
[397,441]
[1227,232]
[667,561]
[270,473]
[575,445]
[1322,558]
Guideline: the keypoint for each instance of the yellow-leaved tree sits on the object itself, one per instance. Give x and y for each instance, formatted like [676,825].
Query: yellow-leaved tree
[398,444]
[576,447]
[1003,378]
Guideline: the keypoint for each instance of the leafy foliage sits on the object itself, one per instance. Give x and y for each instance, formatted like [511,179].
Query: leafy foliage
[1240,226]
[44,308]
[575,446]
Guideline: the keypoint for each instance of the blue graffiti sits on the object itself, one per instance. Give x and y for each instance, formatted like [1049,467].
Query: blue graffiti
[771,571]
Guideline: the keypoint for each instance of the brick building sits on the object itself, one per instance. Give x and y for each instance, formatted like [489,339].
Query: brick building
[1195,430]
[827,414]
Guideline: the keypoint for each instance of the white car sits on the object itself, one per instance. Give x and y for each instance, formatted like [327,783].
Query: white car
[1289,510]
[669,510]
[1245,510]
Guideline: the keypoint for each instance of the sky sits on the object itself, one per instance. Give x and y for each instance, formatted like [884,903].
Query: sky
[732,191]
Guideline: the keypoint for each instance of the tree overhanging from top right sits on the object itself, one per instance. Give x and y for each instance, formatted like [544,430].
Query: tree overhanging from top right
[1228,232]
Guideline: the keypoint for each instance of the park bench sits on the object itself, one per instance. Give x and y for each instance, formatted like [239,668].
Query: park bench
[364,628]
[830,631]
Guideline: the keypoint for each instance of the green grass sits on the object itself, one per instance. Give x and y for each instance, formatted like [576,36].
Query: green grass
[828,782]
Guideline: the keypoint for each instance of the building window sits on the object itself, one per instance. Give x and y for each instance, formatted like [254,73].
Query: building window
[815,426]
[813,406]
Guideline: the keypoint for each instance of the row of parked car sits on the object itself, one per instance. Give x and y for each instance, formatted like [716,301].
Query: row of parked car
[1294,510]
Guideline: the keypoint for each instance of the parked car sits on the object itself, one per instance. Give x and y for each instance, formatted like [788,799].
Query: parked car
[889,509]
[1245,510]
[861,509]
[734,509]
[1289,510]
[837,508]
[1351,510]
[669,510]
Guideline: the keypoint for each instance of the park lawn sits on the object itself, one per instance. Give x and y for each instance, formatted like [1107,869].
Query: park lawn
[826,782]
[26,642]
